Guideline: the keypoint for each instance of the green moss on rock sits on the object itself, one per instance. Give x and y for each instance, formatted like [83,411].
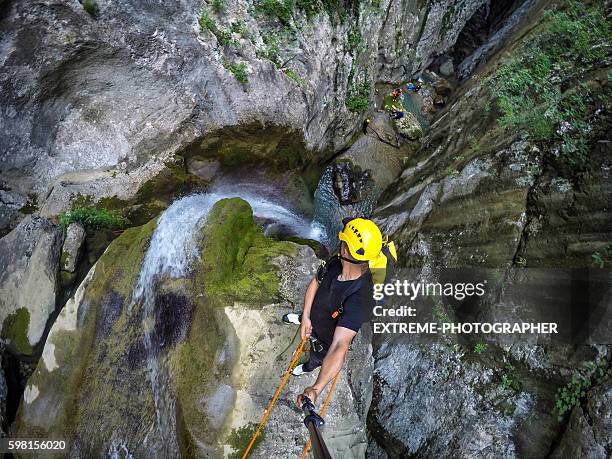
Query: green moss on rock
[15,329]
[236,257]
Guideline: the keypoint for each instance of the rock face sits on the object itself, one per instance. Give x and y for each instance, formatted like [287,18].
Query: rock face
[3,394]
[71,249]
[481,193]
[96,104]
[29,261]
[160,365]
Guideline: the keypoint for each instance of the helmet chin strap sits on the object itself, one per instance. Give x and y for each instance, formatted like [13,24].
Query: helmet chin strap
[355,262]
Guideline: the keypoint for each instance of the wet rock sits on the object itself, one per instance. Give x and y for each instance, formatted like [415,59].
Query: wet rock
[447,68]
[351,183]
[3,394]
[206,169]
[589,427]
[73,244]
[439,101]
[409,127]
[443,88]
[29,262]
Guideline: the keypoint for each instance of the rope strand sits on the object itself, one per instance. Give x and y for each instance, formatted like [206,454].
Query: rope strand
[296,354]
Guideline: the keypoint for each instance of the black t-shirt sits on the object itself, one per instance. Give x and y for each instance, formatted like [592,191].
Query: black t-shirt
[329,297]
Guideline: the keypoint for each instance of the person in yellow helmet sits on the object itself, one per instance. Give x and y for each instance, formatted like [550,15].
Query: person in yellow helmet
[338,299]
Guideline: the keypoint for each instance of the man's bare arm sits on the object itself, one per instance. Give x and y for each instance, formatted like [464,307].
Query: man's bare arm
[332,363]
[311,290]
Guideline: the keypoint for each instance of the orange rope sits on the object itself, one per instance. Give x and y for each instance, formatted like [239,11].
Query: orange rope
[331,388]
[296,354]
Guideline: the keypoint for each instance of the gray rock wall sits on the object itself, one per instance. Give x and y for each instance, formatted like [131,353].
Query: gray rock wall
[95,105]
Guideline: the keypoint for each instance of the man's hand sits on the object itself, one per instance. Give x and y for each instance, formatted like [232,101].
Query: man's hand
[309,392]
[305,327]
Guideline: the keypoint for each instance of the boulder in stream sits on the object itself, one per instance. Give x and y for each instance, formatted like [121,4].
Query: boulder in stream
[409,127]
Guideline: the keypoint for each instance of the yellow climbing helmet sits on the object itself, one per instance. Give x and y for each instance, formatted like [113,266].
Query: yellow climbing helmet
[365,242]
[363,238]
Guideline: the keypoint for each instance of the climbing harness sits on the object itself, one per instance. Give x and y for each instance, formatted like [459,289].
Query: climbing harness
[331,388]
[296,355]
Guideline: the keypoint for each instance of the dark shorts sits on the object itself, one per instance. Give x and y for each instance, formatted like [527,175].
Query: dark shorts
[316,359]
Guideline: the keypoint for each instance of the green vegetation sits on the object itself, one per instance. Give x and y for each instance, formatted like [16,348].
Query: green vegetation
[15,329]
[92,217]
[91,7]
[279,9]
[603,258]
[238,70]
[575,390]
[358,97]
[310,7]
[224,37]
[452,172]
[475,145]
[354,40]
[239,439]
[509,380]
[218,6]
[527,86]
[294,76]
[480,347]
[239,27]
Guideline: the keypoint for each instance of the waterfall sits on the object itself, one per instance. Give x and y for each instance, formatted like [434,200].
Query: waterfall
[171,252]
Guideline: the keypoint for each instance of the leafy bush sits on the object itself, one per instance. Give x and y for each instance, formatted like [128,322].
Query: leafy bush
[358,97]
[527,85]
[238,70]
[92,217]
[575,390]
[91,7]
[479,348]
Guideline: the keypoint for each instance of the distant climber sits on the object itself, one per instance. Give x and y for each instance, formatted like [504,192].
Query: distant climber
[414,86]
[396,113]
[365,125]
[338,299]
[396,94]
